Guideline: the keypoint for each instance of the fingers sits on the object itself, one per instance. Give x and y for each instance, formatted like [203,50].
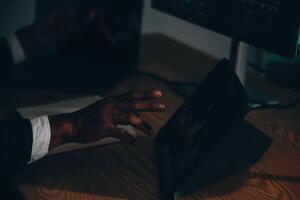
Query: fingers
[133,120]
[137,101]
[140,95]
[141,106]
[122,135]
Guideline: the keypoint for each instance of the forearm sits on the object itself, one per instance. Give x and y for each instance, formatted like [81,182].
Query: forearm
[48,133]
[26,141]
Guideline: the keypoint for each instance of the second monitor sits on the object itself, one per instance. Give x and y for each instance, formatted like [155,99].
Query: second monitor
[269,24]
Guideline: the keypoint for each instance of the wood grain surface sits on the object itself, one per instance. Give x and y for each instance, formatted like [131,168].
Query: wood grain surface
[121,171]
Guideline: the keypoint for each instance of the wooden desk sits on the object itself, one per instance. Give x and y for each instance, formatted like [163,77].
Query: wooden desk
[121,171]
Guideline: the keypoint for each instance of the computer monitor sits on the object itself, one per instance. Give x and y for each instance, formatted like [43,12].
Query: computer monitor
[112,36]
[269,24]
[106,54]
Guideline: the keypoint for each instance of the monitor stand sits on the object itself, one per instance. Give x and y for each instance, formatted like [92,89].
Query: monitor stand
[238,57]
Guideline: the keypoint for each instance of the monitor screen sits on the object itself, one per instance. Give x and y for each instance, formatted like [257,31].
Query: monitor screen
[269,24]
[106,53]
[112,36]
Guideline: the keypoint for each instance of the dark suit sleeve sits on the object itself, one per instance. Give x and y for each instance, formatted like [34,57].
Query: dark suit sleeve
[15,136]
[6,60]
[15,145]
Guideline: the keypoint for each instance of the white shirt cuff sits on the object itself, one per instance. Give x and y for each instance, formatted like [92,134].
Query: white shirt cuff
[41,138]
[16,48]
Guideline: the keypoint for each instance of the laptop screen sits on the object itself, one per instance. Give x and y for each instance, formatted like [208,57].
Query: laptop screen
[202,123]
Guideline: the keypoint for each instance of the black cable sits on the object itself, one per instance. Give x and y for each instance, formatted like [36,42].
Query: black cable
[173,85]
[168,82]
[259,105]
[253,105]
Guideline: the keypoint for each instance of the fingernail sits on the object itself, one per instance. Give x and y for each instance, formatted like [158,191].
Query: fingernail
[157,93]
[161,106]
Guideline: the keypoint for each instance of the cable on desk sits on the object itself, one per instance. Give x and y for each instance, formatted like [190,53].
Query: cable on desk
[168,82]
[259,105]
[253,105]
[173,85]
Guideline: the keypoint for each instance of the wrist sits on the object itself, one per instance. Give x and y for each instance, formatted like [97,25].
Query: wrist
[63,129]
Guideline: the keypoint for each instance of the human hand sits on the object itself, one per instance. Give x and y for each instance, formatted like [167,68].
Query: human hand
[100,119]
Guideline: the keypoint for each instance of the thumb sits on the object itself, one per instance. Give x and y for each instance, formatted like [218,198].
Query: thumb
[122,134]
